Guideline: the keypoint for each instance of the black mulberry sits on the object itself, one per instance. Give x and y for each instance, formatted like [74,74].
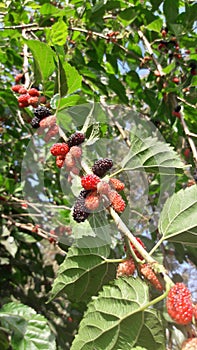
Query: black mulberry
[80,213]
[76,139]
[41,112]
[101,166]
[35,123]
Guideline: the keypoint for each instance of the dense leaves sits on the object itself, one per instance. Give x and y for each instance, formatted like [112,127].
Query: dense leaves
[28,329]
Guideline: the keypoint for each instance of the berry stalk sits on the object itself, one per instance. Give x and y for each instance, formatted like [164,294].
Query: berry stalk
[124,229]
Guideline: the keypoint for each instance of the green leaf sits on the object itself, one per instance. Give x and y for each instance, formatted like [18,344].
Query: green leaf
[73,78]
[156,4]
[10,245]
[194,81]
[25,237]
[49,9]
[155,25]
[58,33]
[170,9]
[169,68]
[118,88]
[43,57]
[151,155]
[133,80]
[178,219]
[152,335]
[83,273]
[30,330]
[114,319]
[69,101]
[128,15]
[4,343]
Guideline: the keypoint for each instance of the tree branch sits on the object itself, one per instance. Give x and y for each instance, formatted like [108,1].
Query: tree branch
[150,51]
[190,140]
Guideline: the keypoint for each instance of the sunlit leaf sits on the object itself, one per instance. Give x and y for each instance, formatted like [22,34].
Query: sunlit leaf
[178,219]
[29,329]
[83,272]
[114,320]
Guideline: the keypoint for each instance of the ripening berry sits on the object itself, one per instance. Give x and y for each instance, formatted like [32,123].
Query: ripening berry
[33,101]
[76,151]
[33,92]
[24,99]
[163,33]
[42,100]
[22,91]
[193,72]
[60,161]
[53,131]
[189,344]
[92,201]
[59,149]
[195,311]
[103,187]
[24,205]
[116,184]
[126,268]
[176,80]
[149,274]
[16,88]
[157,73]
[179,304]
[69,161]
[187,153]
[19,77]
[48,121]
[135,249]
[116,201]
[90,182]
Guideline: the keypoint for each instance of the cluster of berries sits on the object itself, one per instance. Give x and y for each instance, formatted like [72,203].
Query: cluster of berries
[112,37]
[179,304]
[69,153]
[29,97]
[168,46]
[128,267]
[97,191]
[40,113]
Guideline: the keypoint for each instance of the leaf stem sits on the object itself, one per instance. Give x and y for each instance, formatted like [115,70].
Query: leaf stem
[124,229]
[156,246]
[115,261]
[155,301]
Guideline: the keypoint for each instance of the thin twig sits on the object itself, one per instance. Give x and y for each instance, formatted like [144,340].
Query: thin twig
[25,61]
[29,227]
[22,26]
[90,33]
[116,123]
[186,103]
[190,140]
[151,53]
